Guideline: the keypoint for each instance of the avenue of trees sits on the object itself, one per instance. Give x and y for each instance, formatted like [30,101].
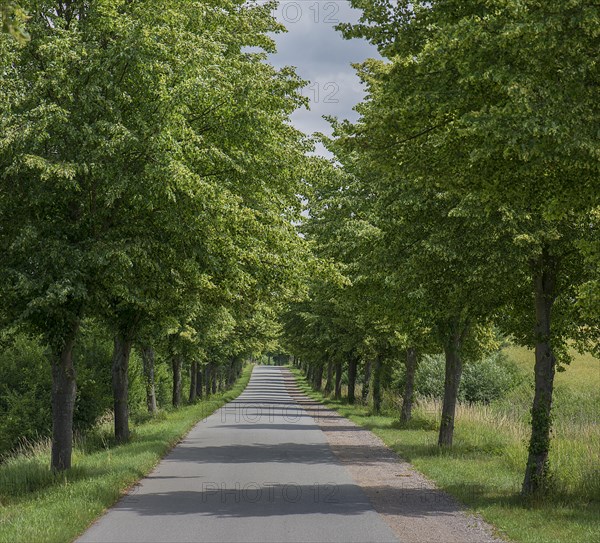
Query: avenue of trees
[152,189]
[463,206]
[149,184]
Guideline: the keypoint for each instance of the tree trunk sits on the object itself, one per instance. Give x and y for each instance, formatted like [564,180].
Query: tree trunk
[544,279]
[176,363]
[338,380]
[64,390]
[239,364]
[148,362]
[409,385]
[329,383]
[214,378]
[451,384]
[193,376]
[199,380]
[352,367]
[366,381]
[207,381]
[120,384]
[318,376]
[377,370]
[231,372]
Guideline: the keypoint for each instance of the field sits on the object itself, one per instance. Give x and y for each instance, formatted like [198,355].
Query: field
[485,467]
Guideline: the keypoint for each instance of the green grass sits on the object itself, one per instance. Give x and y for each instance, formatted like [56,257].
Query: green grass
[484,469]
[584,370]
[36,505]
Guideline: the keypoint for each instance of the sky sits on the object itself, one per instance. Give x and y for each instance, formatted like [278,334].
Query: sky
[321,56]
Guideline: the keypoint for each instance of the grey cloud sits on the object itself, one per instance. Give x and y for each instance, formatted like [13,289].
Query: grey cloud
[321,56]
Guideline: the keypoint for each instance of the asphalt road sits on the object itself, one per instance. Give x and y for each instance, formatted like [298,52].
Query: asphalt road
[257,470]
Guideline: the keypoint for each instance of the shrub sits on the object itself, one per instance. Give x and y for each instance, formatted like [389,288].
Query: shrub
[489,378]
[483,380]
[25,385]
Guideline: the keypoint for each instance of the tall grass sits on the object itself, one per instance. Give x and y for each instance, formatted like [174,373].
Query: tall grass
[574,453]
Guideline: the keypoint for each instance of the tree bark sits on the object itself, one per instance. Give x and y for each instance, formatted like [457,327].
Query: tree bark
[148,362]
[214,378]
[120,384]
[329,382]
[544,282]
[377,370]
[338,380]
[176,363]
[64,391]
[239,364]
[199,381]
[366,381]
[451,385]
[193,377]
[409,385]
[231,372]
[318,377]
[207,381]
[352,367]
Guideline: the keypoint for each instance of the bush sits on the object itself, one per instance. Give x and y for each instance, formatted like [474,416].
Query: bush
[93,359]
[429,379]
[489,378]
[25,385]
[483,380]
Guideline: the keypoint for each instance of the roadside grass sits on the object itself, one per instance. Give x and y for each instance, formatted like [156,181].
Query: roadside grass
[484,468]
[39,506]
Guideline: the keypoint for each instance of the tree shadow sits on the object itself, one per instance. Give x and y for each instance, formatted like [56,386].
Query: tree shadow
[260,499]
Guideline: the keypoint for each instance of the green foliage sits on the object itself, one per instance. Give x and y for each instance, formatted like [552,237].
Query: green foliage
[472,92]
[490,378]
[484,379]
[466,193]
[25,382]
[94,394]
[14,19]
[150,184]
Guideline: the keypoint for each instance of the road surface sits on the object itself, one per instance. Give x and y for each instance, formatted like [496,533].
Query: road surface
[257,470]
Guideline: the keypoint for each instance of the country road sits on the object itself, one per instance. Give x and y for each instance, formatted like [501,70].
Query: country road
[257,470]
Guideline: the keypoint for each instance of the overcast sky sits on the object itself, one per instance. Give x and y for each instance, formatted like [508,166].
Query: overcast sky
[322,56]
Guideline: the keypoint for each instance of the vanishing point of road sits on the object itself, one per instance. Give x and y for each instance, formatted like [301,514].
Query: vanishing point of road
[257,470]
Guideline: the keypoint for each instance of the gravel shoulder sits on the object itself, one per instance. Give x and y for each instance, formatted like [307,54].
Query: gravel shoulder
[411,505]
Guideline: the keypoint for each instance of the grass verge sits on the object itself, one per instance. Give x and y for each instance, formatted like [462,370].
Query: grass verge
[484,469]
[36,505]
